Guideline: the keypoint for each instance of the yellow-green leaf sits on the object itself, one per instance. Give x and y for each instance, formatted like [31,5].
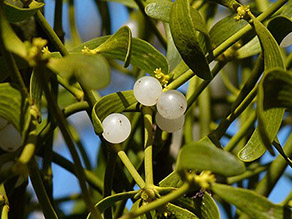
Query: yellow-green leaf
[17,14]
[250,202]
[203,156]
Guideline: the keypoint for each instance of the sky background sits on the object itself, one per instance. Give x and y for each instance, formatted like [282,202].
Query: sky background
[88,24]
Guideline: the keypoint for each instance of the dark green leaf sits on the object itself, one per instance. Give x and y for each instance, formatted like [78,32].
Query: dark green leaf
[5,70]
[143,55]
[250,202]
[120,42]
[269,120]
[179,212]
[277,86]
[202,156]
[91,70]
[112,103]
[17,14]
[11,42]
[111,200]
[225,28]
[201,205]
[14,107]
[183,29]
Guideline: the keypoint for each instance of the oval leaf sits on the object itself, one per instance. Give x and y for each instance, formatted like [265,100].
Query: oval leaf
[179,212]
[143,54]
[250,202]
[17,14]
[91,70]
[185,38]
[14,107]
[202,156]
[120,42]
[269,120]
[159,10]
[277,86]
[112,103]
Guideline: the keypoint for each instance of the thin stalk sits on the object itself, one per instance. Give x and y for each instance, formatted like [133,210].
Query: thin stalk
[40,191]
[275,171]
[128,164]
[180,80]
[245,30]
[74,33]
[204,84]
[148,141]
[78,94]
[62,123]
[58,15]
[159,202]
[241,133]
[262,5]
[247,174]
[151,24]
[4,212]
[205,113]
[51,33]
[108,180]
[287,199]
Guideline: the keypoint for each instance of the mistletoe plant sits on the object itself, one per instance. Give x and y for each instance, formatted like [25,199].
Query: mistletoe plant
[138,128]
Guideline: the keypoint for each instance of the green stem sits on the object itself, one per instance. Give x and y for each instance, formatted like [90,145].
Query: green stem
[275,171]
[40,191]
[205,112]
[151,24]
[4,212]
[51,33]
[159,202]
[204,84]
[241,133]
[180,80]
[262,5]
[128,164]
[245,30]
[74,33]
[108,180]
[58,15]
[62,123]
[148,140]
[287,199]
[78,94]
[247,174]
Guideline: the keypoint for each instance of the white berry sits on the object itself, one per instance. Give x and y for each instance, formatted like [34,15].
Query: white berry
[147,90]
[3,122]
[169,125]
[172,104]
[10,138]
[116,128]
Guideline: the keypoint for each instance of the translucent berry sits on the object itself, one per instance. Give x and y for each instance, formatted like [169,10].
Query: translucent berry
[116,128]
[10,138]
[169,125]
[147,90]
[172,104]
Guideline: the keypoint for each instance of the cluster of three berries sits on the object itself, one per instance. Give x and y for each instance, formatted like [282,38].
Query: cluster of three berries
[171,106]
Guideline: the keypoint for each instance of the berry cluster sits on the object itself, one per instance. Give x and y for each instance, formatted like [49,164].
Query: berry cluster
[171,106]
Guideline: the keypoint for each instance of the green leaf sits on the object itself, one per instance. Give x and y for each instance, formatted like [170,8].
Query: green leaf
[269,120]
[112,103]
[179,212]
[277,85]
[183,29]
[250,202]
[143,54]
[17,14]
[14,107]
[11,42]
[202,205]
[91,70]
[232,4]
[120,42]
[225,28]
[111,200]
[159,10]
[202,156]
[172,180]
